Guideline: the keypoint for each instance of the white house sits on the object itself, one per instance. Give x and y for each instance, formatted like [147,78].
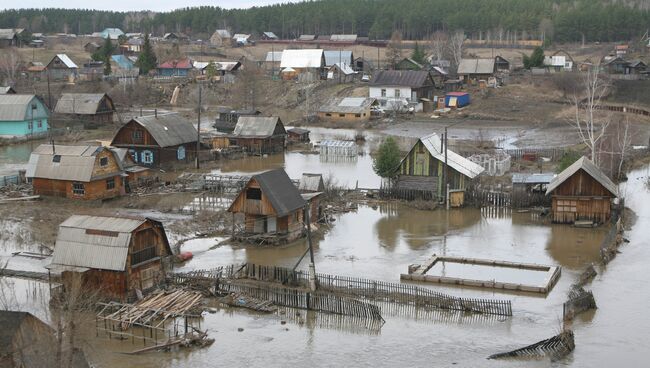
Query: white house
[558,63]
[393,88]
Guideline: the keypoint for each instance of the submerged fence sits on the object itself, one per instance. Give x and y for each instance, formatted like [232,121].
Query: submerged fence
[349,287]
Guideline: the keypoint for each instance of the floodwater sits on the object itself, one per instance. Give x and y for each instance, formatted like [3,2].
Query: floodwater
[488,273]
[14,157]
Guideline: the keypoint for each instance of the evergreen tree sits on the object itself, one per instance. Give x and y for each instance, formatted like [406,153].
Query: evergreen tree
[418,54]
[147,59]
[107,65]
[211,70]
[105,51]
[535,60]
[387,160]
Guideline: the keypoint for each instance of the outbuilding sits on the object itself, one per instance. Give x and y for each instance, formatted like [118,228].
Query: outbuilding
[61,67]
[85,107]
[259,135]
[351,109]
[456,99]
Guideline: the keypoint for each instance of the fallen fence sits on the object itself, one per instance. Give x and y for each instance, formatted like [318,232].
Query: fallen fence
[579,301]
[609,245]
[555,347]
[527,154]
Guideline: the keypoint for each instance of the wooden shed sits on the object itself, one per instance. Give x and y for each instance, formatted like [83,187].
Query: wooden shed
[78,172]
[272,207]
[259,135]
[582,192]
[158,140]
[298,135]
[116,255]
[421,171]
[86,107]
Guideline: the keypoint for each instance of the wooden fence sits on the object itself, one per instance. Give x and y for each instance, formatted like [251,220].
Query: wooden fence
[10,180]
[555,347]
[554,153]
[481,197]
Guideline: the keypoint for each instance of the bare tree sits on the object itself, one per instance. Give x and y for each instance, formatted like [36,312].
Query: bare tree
[590,125]
[438,43]
[455,47]
[394,49]
[9,65]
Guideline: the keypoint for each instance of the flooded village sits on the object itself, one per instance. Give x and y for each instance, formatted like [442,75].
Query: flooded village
[246,196]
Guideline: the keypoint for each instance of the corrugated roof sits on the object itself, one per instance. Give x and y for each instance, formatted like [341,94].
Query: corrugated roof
[75,247]
[7,33]
[343,38]
[307,37]
[79,103]
[168,129]
[590,168]
[76,163]
[274,56]
[407,78]
[257,126]
[280,190]
[67,61]
[476,66]
[457,162]
[333,57]
[303,58]
[532,178]
[123,62]
[224,33]
[350,105]
[270,35]
[311,183]
[15,107]
[344,68]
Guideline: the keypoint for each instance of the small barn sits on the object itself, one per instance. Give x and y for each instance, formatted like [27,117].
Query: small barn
[341,73]
[476,69]
[421,171]
[115,255]
[300,61]
[259,135]
[227,117]
[7,90]
[221,37]
[582,192]
[298,135]
[269,36]
[158,140]
[61,67]
[501,64]
[311,183]
[22,116]
[272,207]
[351,109]
[26,341]
[338,56]
[9,37]
[77,172]
[85,107]
[91,47]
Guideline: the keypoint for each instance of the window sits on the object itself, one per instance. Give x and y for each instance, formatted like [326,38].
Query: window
[78,189]
[103,161]
[40,124]
[359,115]
[147,157]
[328,114]
[254,193]
[56,158]
[398,93]
[180,153]
[134,155]
[30,126]
[383,92]
[137,135]
[341,115]
[110,183]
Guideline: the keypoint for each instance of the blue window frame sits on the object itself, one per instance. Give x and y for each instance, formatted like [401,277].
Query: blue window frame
[180,153]
[147,157]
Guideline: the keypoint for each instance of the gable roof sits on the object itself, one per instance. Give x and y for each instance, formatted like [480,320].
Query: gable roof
[270,35]
[407,78]
[257,126]
[224,33]
[343,38]
[332,57]
[476,66]
[9,33]
[311,183]
[65,60]
[280,190]
[167,129]
[350,105]
[590,168]
[79,103]
[13,107]
[344,68]
[433,144]
[176,64]
[6,90]
[76,163]
[105,248]
[302,58]
[411,61]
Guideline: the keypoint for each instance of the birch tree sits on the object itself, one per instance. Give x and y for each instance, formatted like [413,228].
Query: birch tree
[9,65]
[437,44]
[589,124]
[455,46]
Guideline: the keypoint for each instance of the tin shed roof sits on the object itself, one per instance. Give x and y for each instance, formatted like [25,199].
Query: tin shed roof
[257,126]
[281,192]
[350,105]
[168,129]
[311,183]
[590,168]
[273,56]
[476,66]
[66,61]
[457,162]
[335,56]
[15,107]
[303,58]
[407,78]
[79,103]
[74,163]
[532,178]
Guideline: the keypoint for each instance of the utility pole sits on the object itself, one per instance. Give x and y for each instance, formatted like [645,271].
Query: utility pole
[312,266]
[445,173]
[198,130]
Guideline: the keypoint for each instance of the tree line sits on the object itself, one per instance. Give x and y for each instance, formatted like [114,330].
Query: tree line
[551,20]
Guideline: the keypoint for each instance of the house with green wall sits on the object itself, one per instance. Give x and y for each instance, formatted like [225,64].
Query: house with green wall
[22,116]
[423,167]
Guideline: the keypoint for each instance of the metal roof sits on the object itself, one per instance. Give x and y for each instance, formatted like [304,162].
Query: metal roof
[224,33]
[226,66]
[76,163]
[14,107]
[303,58]
[344,68]
[7,33]
[333,57]
[336,143]
[311,183]
[257,126]
[67,61]
[476,66]
[241,36]
[79,103]
[590,168]
[6,90]
[273,56]
[280,190]
[343,38]
[457,162]
[270,35]
[532,178]
[113,33]
[108,250]
[349,105]
[168,129]
[123,62]
[307,37]
[407,78]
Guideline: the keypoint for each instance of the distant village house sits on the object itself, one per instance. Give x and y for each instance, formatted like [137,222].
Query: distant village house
[397,89]
[85,107]
[352,109]
[22,116]
[259,135]
[61,67]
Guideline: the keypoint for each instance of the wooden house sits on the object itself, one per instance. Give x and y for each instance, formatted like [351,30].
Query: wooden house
[501,64]
[582,192]
[476,69]
[136,175]
[9,37]
[421,171]
[221,37]
[303,61]
[78,172]
[350,109]
[158,140]
[259,135]
[91,47]
[392,87]
[227,117]
[175,68]
[341,73]
[272,207]
[85,107]
[22,116]
[408,64]
[26,341]
[115,255]
[298,135]
[61,67]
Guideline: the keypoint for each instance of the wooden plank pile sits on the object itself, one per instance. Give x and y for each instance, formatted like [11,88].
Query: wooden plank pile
[244,301]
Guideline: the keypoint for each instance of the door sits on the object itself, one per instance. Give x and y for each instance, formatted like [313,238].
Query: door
[271,225]
[258,226]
